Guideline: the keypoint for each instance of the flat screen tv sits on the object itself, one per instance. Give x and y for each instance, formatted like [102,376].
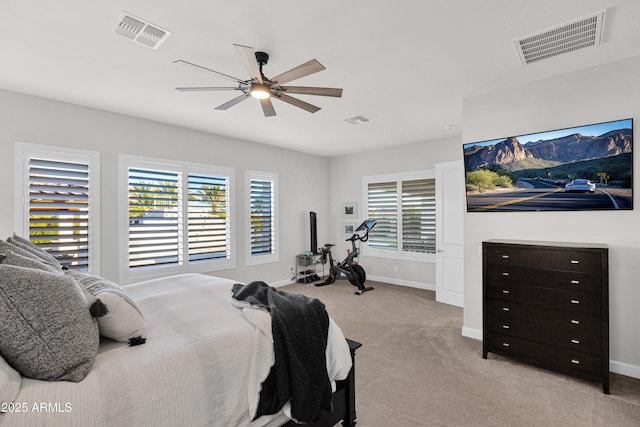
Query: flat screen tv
[580,168]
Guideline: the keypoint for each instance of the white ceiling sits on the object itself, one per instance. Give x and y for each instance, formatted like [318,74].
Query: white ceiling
[406,65]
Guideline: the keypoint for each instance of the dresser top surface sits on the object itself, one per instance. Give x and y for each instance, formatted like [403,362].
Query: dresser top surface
[547,243]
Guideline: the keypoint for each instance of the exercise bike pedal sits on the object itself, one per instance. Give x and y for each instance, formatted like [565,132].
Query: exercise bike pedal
[361,291]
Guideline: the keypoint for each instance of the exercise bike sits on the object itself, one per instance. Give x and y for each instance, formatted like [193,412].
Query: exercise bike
[348,267]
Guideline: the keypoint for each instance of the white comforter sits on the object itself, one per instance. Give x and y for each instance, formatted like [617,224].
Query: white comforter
[200,366]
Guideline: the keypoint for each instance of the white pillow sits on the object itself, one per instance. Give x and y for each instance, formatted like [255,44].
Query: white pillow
[124,319]
[10,381]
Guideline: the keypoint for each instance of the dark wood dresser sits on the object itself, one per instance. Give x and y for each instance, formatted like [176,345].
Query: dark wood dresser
[548,304]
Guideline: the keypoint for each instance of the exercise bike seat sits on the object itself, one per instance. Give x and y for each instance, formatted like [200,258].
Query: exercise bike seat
[328,245]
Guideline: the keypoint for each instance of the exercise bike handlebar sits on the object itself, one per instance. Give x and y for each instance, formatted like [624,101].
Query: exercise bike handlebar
[365,227]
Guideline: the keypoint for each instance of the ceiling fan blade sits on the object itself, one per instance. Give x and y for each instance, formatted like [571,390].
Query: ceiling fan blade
[298,103]
[304,90]
[303,70]
[206,70]
[233,102]
[205,89]
[267,107]
[250,62]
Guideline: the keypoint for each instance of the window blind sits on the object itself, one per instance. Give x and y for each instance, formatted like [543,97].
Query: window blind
[418,216]
[154,232]
[262,231]
[383,207]
[207,225]
[59,210]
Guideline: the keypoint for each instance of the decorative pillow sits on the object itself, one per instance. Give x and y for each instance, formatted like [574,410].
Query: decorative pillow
[6,246]
[46,330]
[25,244]
[10,381]
[13,258]
[124,321]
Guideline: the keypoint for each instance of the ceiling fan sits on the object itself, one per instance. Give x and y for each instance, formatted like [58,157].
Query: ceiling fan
[263,88]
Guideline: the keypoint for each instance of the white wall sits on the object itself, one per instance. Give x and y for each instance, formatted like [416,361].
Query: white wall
[302,178]
[346,186]
[600,94]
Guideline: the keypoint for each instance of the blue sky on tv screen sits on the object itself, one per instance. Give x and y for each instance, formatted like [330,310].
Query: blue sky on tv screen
[593,130]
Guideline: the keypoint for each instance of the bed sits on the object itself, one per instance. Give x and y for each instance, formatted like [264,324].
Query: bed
[200,366]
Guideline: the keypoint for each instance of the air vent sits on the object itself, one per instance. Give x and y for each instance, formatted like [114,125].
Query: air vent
[565,38]
[140,31]
[356,120]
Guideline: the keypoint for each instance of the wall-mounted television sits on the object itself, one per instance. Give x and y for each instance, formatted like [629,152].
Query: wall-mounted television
[580,168]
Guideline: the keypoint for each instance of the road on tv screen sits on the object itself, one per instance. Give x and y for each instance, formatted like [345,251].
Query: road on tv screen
[544,196]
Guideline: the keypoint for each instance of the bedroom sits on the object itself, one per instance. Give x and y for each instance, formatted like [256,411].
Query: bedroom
[593,85]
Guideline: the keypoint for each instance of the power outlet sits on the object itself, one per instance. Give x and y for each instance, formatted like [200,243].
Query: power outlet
[291,269]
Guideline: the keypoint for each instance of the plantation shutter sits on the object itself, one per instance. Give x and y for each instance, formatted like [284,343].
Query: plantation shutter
[154,232]
[262,220]
[418,216]
[383,207]
[59,210]
[207,225]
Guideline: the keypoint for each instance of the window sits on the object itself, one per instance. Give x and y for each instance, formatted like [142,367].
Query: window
[176,218]
[261,228]
[58,205]
[404,207]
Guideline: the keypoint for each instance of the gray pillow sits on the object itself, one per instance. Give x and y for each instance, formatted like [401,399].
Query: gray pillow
[13,258]
[46,331]
[10,381]
[6,246]
[25,244]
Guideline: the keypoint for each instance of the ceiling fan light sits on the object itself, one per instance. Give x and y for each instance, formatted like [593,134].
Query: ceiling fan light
[260,91]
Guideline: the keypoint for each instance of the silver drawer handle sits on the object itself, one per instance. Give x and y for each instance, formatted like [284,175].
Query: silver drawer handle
[575,361]
[505,344]
[505,274]
[574,261]
[504,291]
[505,256]
[505,326]
[575,322]
[575,301]
[575,282]
[505,308]
[575,341]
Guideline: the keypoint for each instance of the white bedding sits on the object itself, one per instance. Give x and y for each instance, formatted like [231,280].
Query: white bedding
[198,367]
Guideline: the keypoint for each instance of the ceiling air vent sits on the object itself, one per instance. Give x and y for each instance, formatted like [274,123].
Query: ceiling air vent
[356,120]
[565,38]
[140,31]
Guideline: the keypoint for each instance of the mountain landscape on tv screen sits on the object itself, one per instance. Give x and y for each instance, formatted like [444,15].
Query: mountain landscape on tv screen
[510,175]
[511,156]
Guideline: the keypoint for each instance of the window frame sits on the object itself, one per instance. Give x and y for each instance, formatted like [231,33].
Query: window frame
[23,153]
[275,255]
[398,253]
[128,275]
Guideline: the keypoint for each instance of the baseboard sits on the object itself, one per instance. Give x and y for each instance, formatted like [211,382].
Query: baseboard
[472,333]
[408,283]
[626,369]
[616,367]
[280,283]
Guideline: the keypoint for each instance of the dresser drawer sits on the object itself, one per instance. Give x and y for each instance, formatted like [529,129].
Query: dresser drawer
[543,258]
[545,331]
[548,356]
[574,281]
[569,320]
[573,301]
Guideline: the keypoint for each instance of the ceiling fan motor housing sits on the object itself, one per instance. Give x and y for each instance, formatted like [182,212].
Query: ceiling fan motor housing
[262,58]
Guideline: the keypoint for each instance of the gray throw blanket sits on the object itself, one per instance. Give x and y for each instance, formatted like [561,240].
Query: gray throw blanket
[299,325]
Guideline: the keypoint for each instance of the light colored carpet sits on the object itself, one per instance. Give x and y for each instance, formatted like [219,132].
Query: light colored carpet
[416,369]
